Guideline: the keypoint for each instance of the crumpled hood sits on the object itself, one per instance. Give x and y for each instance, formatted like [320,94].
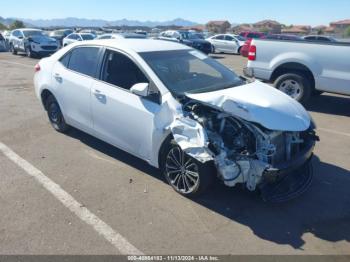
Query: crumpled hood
[42,39]
[260,103]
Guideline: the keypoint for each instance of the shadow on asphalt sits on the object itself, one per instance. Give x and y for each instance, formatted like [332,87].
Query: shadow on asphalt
[323,211]
[330,104]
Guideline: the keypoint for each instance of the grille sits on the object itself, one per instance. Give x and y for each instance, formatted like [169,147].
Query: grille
[49,47]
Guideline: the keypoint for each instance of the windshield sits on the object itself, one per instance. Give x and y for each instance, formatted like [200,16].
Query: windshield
[190,71]
[188,35]
[87,37]
[28,33]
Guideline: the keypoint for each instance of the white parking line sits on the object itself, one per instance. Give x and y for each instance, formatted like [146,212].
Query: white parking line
[117,240]
[333,131]
[15,63]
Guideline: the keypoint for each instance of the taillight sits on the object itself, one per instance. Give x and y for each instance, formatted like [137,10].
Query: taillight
[252,53]
[37,68]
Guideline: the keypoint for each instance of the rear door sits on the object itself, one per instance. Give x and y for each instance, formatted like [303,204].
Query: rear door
[73,76]
[230,44]
[219,43]
[120,117]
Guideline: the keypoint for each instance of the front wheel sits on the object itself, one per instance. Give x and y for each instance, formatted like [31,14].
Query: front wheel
[295,85]
[186,175]
[29,52]
[13,50]
[55,115]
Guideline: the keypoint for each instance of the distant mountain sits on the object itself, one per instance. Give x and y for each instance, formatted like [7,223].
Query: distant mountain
[82,22]
[6,21]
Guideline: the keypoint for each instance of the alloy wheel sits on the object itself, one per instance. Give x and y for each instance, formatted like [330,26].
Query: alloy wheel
[182,171]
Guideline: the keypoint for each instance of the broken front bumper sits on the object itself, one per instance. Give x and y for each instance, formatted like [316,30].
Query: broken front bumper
[289,179]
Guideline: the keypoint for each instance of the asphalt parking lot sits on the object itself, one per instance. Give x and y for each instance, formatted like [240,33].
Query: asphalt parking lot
[134,202]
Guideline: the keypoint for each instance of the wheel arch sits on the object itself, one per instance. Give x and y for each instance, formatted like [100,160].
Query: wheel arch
[44,95]
[293,67]
[161,152]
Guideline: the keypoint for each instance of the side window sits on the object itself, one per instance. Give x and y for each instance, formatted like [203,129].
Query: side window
[65,59]
[228,38]
[324,39]
[121,71]
[84,60]
[310,38]
[220,37]
[106,37]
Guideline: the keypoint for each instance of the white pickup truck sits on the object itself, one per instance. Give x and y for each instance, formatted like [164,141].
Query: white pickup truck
[299,68]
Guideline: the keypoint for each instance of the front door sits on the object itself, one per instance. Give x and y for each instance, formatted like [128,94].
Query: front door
[120,117]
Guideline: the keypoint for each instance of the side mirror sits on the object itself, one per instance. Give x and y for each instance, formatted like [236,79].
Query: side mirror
[140,89]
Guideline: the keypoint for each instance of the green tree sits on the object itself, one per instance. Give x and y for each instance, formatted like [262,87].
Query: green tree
[347,32]
[17,24]
[2,27]
[320,31]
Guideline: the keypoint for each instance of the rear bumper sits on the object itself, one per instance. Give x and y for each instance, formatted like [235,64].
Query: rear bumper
[248,72]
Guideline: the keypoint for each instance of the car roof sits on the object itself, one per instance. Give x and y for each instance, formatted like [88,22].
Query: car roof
[137,45]
[30,29]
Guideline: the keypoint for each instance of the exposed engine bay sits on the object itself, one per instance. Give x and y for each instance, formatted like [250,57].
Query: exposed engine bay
[243,152]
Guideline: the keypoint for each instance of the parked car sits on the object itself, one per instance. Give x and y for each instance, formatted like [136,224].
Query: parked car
[33,42]
[122,36]
[284,37]
[3,46]
[320,38]
[227,43]
[60,34]
[300,68]
[191,39]
[180,111]
[252,35]
[6,34]
[76,37]
[249,36]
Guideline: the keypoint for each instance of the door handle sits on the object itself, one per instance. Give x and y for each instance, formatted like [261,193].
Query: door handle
[99,95]
[58,77]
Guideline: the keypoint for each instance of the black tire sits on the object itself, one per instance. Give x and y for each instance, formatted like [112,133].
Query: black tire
[13,49]
[239,51]
[185,181]
[317,93]
[299,80]
[55,115]
[29,52]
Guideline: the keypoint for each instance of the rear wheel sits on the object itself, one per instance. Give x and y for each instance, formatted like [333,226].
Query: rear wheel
[186,175]
[55,115]
[13,50]
[296,85]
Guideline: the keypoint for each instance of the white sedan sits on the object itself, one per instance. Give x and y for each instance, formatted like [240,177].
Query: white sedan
[227,43]
[77,37]
[182,112]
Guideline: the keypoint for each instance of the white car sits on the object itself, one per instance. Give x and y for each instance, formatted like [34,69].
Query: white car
[32,42]
[182,112]
[227,43]
[77,37]
[121,36]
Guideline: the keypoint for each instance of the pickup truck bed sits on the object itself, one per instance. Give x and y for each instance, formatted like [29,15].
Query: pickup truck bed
[301,68]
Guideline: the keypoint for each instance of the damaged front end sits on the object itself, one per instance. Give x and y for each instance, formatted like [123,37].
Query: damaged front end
[246,153]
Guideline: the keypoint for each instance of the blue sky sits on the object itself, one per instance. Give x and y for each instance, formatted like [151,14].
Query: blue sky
[313,12]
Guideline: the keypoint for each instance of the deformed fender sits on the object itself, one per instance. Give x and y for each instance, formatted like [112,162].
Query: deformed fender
[191,138]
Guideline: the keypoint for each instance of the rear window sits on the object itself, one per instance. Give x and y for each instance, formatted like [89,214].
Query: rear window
[82,60]
[87,37]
